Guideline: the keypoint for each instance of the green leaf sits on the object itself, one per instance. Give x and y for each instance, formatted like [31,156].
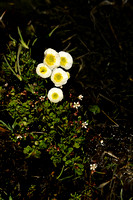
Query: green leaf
[10,198]
[76,145]
[95,109]
[80,165]
[70,149]
[21,40]
[68,162]
[27,149]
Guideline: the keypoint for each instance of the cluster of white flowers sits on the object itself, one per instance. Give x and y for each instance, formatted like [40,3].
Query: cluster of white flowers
[52,67]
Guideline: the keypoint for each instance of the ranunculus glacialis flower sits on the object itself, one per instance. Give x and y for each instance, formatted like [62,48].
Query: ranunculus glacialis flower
[43,71]
[55,95]
[51,58]
[66,60]
[59,77]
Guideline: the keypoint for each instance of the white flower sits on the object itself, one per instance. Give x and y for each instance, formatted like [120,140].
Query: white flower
[19,137]
[80,97]
[59,77]
[42,98]
[55,95]
[93,166]
[51,58]
[43,71]
[84,125]
[66,60]
[102,142]
[76,105]
[6,84]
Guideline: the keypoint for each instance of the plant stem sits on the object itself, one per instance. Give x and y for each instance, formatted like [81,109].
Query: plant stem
[61,172]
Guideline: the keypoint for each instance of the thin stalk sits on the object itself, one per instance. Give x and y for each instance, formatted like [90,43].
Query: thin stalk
[66,178]
[61,172]
[17,75]
[7,126]
[110,118]
[21,40]
[18,54]
[121,192]
[50,34]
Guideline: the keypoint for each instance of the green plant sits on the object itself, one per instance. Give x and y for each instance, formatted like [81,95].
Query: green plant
[57,128]
[75,196]
[94,109]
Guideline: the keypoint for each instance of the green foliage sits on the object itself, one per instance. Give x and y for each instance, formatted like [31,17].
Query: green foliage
[10,198]
[94,109]
[75,196]
[38,124]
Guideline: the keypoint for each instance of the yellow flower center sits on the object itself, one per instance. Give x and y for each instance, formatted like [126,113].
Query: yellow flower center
[63,61]
[50,59]
[55,95]
[58,77]
[43,70]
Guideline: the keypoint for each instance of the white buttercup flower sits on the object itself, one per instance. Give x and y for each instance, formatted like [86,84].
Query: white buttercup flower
[66,60]
[59,77]
[43,71]
[55,95]
[51,58]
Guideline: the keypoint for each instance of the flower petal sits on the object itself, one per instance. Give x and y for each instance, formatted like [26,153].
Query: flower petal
[51,58]
[59,77]
[66,60]
[55,95]
[43,71]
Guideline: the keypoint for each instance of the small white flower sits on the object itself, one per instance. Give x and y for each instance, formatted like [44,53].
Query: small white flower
[51,58]
[59,77]
[76,105]
[42,98]
[6,84]
[55,95]
[80,97]
[19,137]
[66,60]
[43,71]
[102,142]
[93,166]
[84,125]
